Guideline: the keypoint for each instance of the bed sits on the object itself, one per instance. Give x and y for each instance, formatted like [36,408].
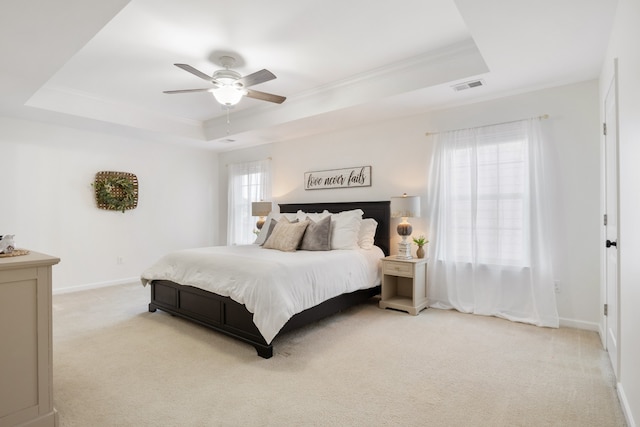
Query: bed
[225,315]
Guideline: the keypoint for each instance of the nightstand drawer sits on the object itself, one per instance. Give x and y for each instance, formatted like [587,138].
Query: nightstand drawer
[397,268]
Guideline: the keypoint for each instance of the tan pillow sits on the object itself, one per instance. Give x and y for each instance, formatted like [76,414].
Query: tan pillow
[286,236]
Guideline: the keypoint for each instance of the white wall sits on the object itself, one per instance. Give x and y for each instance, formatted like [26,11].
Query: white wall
[47,201]
[623,46]
[400,154]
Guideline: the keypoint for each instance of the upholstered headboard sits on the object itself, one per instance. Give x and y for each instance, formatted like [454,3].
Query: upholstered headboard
[376,210]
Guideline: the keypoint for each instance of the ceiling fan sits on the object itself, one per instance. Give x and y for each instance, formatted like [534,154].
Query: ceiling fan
[229,86]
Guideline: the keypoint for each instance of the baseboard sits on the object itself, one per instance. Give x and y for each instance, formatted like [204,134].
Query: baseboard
[591,326]
[95,285]
[579,324]
[625,406]
[603,338]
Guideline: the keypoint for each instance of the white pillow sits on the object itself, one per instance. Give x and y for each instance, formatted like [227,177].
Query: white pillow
[315,217]
[355,212]
[367,233]
[345,227]
[262,236]
[290,216]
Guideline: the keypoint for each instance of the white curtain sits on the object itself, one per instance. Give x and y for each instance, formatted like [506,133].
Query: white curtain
[489,233]
[248,182]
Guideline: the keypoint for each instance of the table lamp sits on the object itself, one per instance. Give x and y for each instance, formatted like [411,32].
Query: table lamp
[261,210]
[405,207]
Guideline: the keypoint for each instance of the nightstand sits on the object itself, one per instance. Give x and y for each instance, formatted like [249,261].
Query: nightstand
[404,284]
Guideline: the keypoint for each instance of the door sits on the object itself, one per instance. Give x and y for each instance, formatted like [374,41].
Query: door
[611,223]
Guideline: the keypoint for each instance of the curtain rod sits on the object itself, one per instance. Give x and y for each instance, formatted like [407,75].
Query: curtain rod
[268,158]
[542,117]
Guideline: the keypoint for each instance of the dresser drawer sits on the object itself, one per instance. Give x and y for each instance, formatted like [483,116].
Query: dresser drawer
[397,268]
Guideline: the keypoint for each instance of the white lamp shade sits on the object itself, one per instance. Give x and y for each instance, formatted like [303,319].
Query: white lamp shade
[405,206]
[260,208]
[228,95]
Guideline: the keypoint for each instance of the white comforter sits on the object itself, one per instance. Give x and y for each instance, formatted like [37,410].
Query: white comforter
[273,285]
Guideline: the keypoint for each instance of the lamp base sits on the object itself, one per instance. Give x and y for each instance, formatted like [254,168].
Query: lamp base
[404,250]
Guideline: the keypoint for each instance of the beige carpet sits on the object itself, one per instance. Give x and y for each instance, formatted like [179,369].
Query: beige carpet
[115,364]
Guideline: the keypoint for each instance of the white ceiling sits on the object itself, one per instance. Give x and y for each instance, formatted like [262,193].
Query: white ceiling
[104,65]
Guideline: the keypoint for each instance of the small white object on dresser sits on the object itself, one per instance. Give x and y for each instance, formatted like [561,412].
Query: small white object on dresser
[404,284]
[26,389]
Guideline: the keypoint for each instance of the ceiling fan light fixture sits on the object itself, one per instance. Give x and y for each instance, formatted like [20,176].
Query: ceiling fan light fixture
[228,95]
[229,86]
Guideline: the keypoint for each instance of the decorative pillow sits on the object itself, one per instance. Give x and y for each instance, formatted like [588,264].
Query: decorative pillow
[286,236]
[290,216]
[345,227]
[367,233]
[266,229]
[301,215]
[312,215]
[317,236]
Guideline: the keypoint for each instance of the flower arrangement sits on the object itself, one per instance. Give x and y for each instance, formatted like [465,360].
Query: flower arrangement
[420,240]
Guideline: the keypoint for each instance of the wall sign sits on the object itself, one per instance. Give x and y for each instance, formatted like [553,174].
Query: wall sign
[359,176]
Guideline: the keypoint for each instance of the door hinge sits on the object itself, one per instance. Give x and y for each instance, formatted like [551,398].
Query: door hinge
[606,309]
[604,129]
[605,219]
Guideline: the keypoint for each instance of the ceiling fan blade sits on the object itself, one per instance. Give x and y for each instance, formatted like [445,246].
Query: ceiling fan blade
[195,72]
[256,78]
[188,90]
[265,96]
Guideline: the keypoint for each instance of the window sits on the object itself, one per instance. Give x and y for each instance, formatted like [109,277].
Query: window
[490,246]
[248,182]
[488,203]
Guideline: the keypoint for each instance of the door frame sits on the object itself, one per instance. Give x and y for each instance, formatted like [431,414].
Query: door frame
[614,315]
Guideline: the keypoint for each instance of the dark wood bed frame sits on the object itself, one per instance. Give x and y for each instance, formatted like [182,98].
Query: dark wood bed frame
[231,318]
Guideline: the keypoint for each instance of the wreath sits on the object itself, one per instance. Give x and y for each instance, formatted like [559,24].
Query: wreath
[116,191]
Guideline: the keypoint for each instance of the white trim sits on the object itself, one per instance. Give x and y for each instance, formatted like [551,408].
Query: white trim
[624,403]
[580,324]
[603,338]
[95,285]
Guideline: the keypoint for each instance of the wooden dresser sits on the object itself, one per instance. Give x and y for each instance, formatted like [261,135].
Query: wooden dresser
[26,378]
